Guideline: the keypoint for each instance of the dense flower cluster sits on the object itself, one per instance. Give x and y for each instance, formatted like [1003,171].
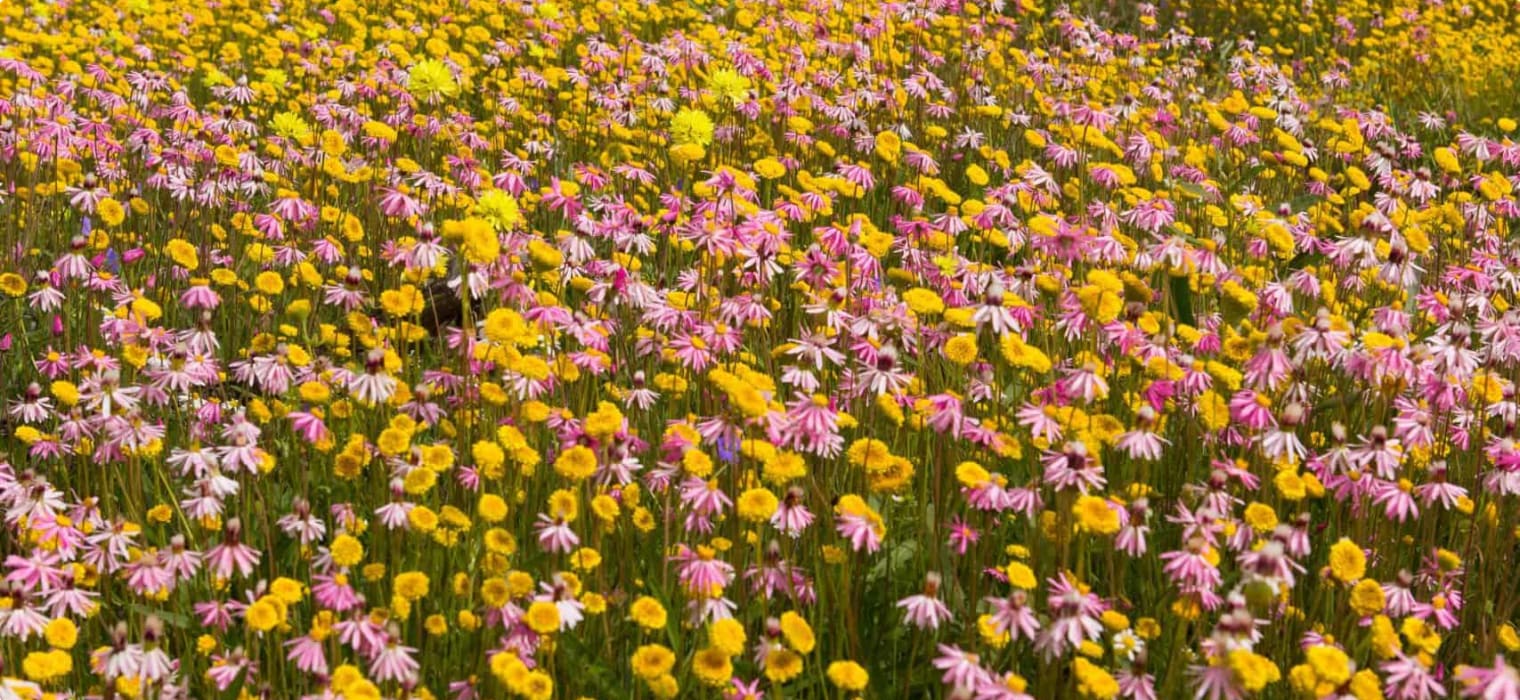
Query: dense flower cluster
[990,349]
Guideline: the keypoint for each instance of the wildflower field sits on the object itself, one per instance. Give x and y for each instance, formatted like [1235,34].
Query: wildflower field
[741,349]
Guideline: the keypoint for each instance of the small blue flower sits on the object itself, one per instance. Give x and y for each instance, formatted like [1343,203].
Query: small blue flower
[728,446]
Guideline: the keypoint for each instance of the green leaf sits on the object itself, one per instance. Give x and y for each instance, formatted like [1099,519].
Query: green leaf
[172,619]
[1182,296]
[1192,189]
[895,557]
[593,671]
[1299,261]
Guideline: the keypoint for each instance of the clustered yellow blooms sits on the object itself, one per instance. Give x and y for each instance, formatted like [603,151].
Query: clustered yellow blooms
[1039,225]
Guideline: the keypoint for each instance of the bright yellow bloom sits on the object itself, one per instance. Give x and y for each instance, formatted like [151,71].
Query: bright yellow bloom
[505,326]
[727,635]
[491,508]
[1347,561]
[268,282]
[727,84]
[576,464]
[648,613]
[652,661]
[757,505]
[797,632]
[346,551]
[111,212]
[924,301]
[1093,681]
[848,676]
[543,617]
[288,590]
[712,666]
[691,126]
[1253,671]
[61,633]
[412,585]
[12,284]
[1330,665]
[1367,597]
[1096,515]
[263,615]
[44,666]
[430,80]
[961,349]
[500,209]
[769,168]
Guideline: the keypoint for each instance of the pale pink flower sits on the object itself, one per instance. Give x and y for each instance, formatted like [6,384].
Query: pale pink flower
[925,610]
